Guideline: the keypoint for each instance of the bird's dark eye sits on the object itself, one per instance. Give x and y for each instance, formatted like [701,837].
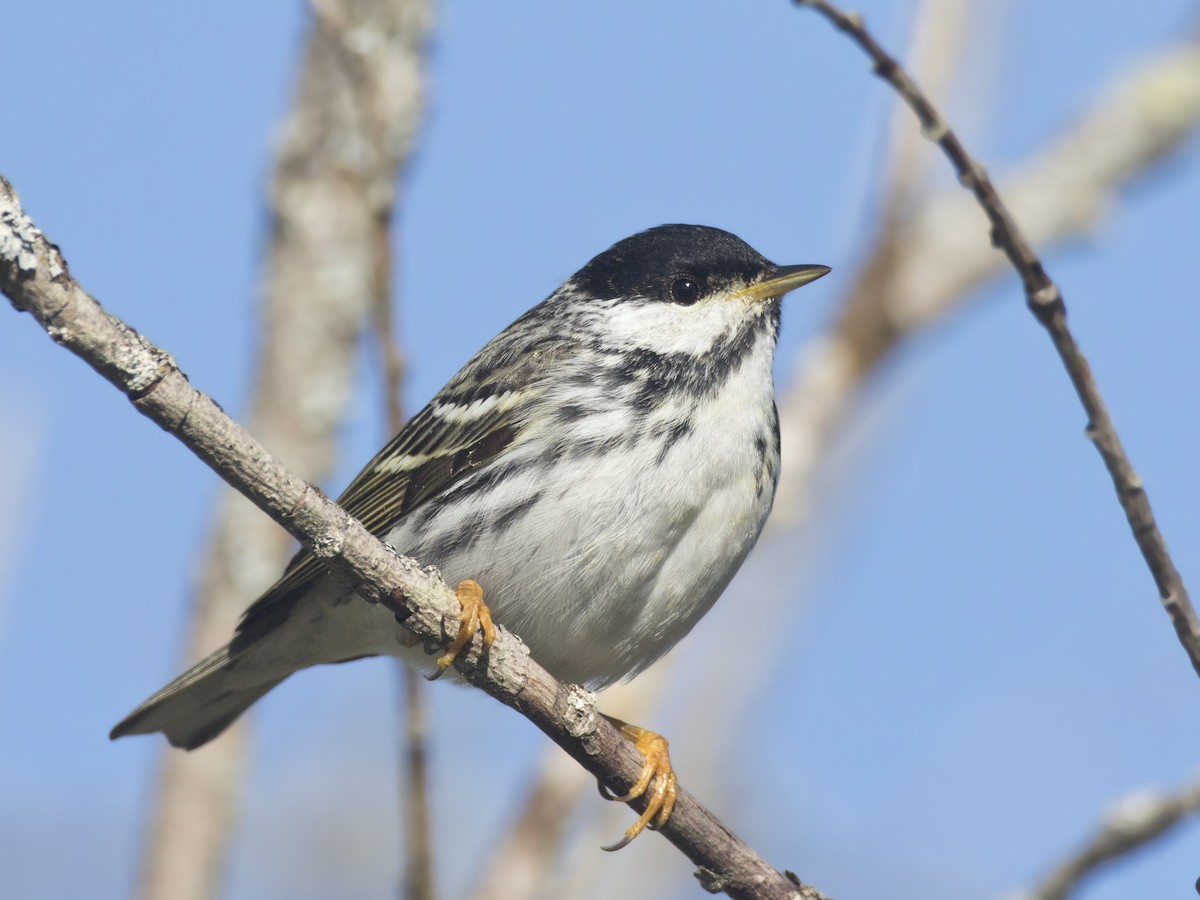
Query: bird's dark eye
[685,290]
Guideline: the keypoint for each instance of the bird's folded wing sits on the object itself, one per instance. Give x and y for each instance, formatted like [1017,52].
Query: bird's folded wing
[438,447]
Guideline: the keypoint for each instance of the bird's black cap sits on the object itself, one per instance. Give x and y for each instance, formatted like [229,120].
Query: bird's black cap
[640,266]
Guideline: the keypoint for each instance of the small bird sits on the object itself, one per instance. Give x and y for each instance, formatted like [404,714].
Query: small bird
[600,469]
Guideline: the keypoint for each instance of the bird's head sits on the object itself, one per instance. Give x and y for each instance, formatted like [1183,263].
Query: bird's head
[682,289]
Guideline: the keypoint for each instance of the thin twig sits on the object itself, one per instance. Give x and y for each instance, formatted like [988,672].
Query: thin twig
[1059,193]
[418,882]
[1045,301]
[34,275]
[414,791]
[1135,821]
[417,849]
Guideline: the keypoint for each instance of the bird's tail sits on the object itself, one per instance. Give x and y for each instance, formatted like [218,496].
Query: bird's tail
[198,705]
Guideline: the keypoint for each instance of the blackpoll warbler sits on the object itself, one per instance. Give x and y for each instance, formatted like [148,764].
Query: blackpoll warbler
[601,468]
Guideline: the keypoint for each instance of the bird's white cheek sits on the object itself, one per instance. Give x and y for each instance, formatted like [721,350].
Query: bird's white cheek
[669,328]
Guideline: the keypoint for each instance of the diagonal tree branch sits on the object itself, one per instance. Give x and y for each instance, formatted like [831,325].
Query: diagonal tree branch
[34,275]
[1046,303]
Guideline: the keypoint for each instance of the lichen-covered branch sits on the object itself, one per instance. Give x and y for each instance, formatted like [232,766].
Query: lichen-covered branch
[34,275]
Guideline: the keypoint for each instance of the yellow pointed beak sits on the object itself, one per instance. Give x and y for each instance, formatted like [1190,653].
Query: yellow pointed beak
[781,280]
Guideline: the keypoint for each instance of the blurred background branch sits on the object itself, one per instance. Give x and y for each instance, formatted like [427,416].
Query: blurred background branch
[1133,822]
[327,264]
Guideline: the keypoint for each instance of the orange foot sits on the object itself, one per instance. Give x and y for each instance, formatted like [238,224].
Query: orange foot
[657,776]
[474,615]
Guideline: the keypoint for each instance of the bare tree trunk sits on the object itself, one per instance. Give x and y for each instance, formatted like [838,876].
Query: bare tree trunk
[353,126]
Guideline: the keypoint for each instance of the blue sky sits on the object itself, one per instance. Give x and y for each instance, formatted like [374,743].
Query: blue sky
[976,665]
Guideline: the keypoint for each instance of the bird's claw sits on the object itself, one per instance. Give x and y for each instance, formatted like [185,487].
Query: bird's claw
[658,778]
[474,615]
